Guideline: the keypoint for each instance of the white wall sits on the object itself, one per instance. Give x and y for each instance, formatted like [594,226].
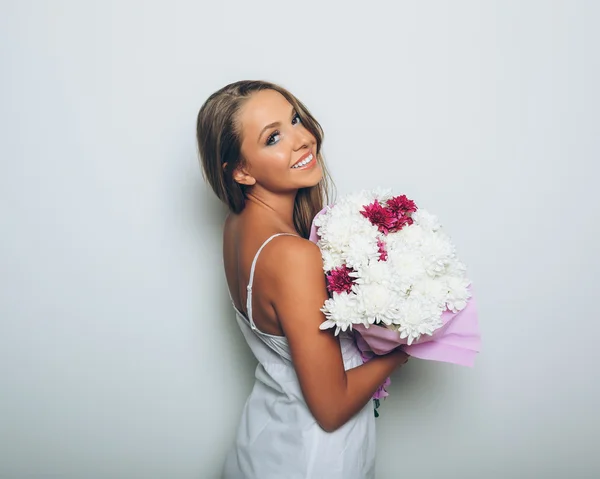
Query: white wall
[119,353]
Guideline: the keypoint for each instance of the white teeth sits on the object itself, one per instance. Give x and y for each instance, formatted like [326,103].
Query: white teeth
[304,162]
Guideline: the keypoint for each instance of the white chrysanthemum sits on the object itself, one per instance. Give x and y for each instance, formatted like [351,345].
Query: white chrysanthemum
[408,267]
[382,194]
[376,303]
[349,205]
[417,318]
[321,219]
[376,272]
[436,252]
[336,229]
[458,294]
[361,250]
[426,220]
[412,236]
[430,290]
[331,259]
[358,199]
[341,311]
[340,227]
[355,200]
[382,273]
[455,267]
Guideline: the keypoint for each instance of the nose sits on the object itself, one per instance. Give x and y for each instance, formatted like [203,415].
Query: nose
[302,138]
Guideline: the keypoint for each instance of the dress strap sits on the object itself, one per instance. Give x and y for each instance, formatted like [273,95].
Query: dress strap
[249,287]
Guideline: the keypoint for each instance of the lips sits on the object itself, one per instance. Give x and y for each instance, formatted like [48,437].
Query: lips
[302,158]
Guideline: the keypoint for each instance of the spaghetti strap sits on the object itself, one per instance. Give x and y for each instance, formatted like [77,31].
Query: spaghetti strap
[249,287]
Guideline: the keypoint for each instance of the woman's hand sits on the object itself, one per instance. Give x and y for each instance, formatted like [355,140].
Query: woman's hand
[401,354]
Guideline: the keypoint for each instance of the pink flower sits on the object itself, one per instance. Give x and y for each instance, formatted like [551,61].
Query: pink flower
[339,280]
[382,251]
[381,391]
[380,216]
[401,208]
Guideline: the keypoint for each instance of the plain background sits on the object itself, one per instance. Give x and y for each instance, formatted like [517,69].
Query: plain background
[119,353]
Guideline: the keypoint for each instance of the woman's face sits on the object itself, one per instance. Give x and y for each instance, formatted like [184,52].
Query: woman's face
[280,153]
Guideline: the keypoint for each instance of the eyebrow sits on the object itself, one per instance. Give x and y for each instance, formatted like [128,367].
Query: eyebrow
[275,123]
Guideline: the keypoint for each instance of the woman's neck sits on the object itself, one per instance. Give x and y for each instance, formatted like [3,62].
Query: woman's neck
[279,205]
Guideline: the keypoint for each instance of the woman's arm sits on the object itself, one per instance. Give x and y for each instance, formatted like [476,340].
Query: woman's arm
[333,395]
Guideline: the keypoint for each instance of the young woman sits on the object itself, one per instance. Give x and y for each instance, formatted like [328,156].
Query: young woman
[309,414]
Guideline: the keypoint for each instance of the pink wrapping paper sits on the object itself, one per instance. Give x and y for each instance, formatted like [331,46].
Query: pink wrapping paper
[458,341]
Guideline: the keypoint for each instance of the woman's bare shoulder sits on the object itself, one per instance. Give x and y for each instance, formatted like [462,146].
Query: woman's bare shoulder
[292,261]
[289,249]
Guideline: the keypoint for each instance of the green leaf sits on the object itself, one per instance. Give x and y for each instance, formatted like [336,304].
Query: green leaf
[377,404]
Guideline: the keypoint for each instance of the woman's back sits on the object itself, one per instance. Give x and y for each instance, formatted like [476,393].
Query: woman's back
[278,437]
[243,236]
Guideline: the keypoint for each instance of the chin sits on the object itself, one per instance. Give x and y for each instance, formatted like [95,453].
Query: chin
[312,179]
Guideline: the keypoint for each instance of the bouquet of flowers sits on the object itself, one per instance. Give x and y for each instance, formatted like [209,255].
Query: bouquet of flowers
[394,278]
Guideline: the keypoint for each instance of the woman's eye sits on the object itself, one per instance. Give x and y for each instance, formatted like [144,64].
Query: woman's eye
[274,137]
[271,139]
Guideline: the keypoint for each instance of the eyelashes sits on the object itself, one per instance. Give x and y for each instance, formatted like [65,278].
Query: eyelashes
[271,139]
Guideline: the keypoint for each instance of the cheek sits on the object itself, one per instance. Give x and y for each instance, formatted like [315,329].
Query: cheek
[276,159]
[266,161]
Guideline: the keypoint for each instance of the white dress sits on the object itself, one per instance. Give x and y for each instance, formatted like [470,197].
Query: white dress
[278,437]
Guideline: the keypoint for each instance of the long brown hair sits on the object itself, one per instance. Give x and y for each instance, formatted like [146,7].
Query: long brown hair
[219,142]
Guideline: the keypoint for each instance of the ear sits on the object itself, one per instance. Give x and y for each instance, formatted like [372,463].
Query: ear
[242,176]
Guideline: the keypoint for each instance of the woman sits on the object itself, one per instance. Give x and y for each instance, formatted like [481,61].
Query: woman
[309,413]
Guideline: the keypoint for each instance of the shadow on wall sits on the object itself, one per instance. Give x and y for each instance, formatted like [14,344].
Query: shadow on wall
[208,215]
[426,383]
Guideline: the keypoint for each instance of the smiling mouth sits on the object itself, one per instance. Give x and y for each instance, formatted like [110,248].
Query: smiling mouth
[303,162]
